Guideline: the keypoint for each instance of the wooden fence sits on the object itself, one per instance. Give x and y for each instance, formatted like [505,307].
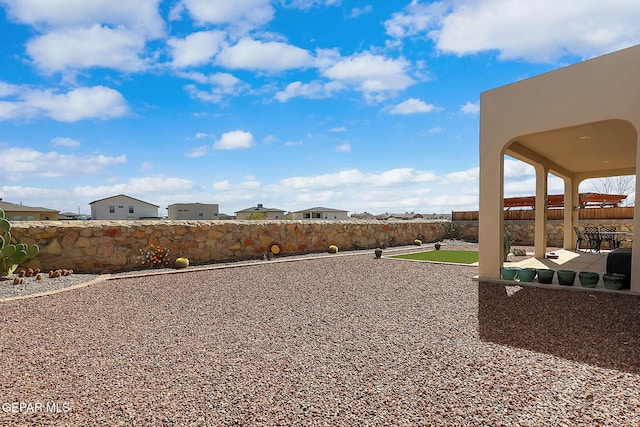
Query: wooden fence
[553,214]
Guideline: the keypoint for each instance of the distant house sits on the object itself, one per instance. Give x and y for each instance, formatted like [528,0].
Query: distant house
[399,216]
[319,213]
[122,207]
[193,211]
[260,212]
[72,216]
[364,215]
[15,212]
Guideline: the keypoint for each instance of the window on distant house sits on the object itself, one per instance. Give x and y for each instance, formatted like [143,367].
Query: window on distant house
[112,209]
[200,213]
[130,209]
[317,215]
[31,218]
[17,217]
[307,215]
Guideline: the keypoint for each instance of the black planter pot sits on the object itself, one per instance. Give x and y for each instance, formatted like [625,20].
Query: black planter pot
[378,252]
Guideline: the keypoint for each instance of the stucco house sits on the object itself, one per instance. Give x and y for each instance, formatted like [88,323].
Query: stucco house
[260,212]
[20,212]
[578,122]
[319,213]
[193,211]
[122,207]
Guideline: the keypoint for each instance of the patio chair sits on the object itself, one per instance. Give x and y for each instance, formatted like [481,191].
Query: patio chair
[579,238]
[593,237]
[607,235]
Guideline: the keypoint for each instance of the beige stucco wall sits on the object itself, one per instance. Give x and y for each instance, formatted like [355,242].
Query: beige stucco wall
[523,231]
[109,246]
[601,89]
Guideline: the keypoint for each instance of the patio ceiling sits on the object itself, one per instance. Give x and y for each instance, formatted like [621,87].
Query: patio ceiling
[606,148]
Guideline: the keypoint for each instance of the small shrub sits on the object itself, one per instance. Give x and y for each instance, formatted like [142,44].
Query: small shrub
[182,263]
[417,242]
[333,249]
[519,252]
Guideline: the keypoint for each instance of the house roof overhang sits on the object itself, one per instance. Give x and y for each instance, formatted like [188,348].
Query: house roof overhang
[599,149]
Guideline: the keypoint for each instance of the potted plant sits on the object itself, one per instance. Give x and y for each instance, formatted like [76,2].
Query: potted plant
[588,279]
[613,281]
[566,277]
[545,275]
[508,273]
[527,274]
[378,252]
[437,246]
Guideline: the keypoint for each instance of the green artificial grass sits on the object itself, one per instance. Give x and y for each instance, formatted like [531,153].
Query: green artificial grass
[459,257]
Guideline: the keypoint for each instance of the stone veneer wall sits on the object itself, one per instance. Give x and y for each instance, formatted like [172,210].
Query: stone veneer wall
[523,232]
[111,246]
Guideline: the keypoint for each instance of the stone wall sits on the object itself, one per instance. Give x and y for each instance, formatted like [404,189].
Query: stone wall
[523,232]
[111,246]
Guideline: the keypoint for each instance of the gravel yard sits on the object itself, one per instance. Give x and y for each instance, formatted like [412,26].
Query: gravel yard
[340,340]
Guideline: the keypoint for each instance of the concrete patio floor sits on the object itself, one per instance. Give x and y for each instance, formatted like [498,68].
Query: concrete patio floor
[568,260]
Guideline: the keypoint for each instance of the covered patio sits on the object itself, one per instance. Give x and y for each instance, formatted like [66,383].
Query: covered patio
[577,123]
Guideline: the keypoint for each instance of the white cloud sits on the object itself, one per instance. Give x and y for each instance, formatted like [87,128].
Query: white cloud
[374,75]
[221,85]
[308,4]
[145,166]
[19,162]
[357,11]
[234,140]
[140,15]
[76,34]
[242,15]
[201,151]
[392,177]
[293,143]
[138,186]
[270,139]
[517,29]
[470,108]
[81,103]
[412,106]
[65,142]
[338,129]
[196,49]
[80,48]
[394,190]
[343,148]
[202,135]
[250,184]
[17,194]
[314,90]
[249,54]
[86,102]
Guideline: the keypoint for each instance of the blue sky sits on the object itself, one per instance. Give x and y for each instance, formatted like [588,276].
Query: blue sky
[356,105]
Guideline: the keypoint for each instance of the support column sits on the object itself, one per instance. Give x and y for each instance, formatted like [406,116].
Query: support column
[540,245]
[491,223]
[635,253]
[571,201]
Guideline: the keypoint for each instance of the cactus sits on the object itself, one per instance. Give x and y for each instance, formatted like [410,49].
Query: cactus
[182,263]
[333,249]
[12,255]
[506,243]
